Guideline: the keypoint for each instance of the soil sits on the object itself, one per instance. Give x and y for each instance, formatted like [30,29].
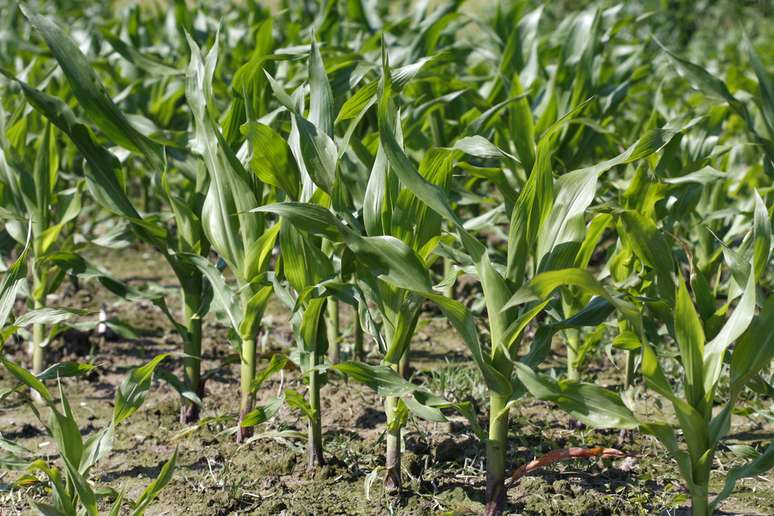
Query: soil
[443,462]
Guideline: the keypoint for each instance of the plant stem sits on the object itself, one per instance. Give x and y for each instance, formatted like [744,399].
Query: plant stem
[192,362]
[358,351]
[404,364]
[332,327]
[38,351]
[392,482]
[448,291]
[495,455]
[700,502]
[572,354]
[315,448]
[247,373]
[630,358]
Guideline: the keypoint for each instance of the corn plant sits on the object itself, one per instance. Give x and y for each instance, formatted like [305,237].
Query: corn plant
[702,358]
[239,236]
[71,492]
[103,178]
[31,190]
[536,218]
[702,366]
[411,223]
[306,266]
[713,348]
[582,192]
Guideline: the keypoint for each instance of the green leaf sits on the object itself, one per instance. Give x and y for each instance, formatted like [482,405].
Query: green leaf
[65,370]
[64,430]
[480,147]
[566,222]
[591,404]
[261,414]
[422,410]
[314,150]
[48,316]
[253,312]
[104,171]
[304,264]
[11,284]
[365,97]
[648,242]
[320,93]
[276,363]
[270,158]
[762,236]
[309,217]
[148,64]
[689,335]
[226,218]
[522,126]
[754,350]
[178,385]
[376,205]
[297,401]
[542,285]
[90,92]
[765,85]
[651,247]
[734,327]
[154,488]
[132,391]
[27,378]
[706,82]
[97,446]
[384,380]
[86,497]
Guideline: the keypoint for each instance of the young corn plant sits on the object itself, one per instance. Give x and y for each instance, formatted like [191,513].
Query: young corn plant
[306,266]
[104,177]
[72,494]
[32,190]
[308,260]
[239,236]
[702,366]
[392,216]
[713,348]
[401,269]
[384,265]
[296,171]
[541,218]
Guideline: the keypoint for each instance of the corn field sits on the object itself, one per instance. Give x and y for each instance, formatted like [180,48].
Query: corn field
[364,257]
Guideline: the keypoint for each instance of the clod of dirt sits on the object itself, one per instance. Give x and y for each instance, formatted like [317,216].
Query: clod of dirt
[454,449]
[457,501]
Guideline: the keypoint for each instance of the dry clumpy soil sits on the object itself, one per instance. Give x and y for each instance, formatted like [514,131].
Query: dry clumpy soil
[442,463]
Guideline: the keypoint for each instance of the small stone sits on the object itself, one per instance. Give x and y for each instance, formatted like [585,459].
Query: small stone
[628,464]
